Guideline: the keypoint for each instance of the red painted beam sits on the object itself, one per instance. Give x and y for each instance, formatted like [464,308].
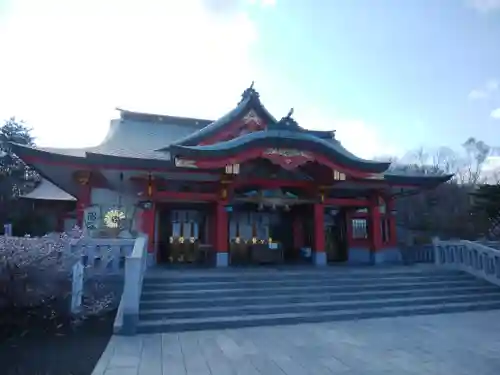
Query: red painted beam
[272,184]
[190,196]
[347,202]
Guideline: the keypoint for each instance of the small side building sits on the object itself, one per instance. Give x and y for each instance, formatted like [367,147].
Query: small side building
[54,205]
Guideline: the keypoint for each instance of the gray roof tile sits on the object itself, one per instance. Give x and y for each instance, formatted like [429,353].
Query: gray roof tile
[46,190]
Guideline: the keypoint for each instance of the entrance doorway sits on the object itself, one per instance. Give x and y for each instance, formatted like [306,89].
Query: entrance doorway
[336,236]
[182,234]
[260,235]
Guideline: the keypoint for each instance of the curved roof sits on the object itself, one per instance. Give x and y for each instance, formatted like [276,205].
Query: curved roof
[138,135]
[416,179]
[280,139]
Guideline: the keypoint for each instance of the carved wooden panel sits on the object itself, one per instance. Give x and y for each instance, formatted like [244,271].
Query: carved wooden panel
[287,158]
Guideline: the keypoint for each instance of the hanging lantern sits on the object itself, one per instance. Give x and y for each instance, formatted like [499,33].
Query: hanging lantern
[150,185]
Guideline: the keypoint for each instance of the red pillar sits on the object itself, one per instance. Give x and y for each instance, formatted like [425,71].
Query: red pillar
[221,235]
[375,230]
[319,256]
[148,226]
[84,200]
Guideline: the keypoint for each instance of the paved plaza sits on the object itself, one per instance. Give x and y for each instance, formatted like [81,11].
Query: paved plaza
[466,343]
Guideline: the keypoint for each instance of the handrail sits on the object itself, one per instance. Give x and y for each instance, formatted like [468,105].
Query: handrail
[135,267]
[471,257]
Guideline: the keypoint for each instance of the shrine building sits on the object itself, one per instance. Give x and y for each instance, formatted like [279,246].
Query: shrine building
[244,189]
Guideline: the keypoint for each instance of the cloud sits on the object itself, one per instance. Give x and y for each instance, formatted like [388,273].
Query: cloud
[486,90]
[372,143]
[492,85]
[263,3]
[496,114]
[71,63]
[484,6]
[477,94]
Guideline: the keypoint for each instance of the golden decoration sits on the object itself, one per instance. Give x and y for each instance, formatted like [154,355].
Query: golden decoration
[224,193]
[113,218]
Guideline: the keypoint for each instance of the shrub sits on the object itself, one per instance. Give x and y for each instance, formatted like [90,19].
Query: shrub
[38,270]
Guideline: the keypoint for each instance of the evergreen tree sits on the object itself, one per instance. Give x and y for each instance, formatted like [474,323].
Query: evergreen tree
[15,176]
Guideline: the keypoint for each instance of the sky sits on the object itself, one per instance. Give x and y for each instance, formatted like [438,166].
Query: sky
[388,75]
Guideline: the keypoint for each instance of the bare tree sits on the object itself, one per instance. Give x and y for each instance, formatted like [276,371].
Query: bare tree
[445,210]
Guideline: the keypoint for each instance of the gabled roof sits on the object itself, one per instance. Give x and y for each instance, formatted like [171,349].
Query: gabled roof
[250,101]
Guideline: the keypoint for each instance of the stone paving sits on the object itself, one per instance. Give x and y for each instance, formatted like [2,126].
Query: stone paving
[466,343]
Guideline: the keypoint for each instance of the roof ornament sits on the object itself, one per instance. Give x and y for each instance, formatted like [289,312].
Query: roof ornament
[249,93]
[288,121]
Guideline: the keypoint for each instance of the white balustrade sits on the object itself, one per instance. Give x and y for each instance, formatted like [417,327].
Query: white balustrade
[472,257]
[418,254]
[109,256]
[102,255]
[135,267]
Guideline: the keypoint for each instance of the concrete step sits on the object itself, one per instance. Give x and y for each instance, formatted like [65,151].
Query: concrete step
[213,299]
[251,275]
[164,292]
[310,307]
[238,321]
[258,282]
[160,301]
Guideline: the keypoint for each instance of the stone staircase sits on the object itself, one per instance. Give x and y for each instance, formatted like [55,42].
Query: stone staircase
[181,300]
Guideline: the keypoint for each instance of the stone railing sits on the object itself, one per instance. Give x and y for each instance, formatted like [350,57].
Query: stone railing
[135,267]
[472,257]
[418,254]
[102,255]
[96,256]
[493,244]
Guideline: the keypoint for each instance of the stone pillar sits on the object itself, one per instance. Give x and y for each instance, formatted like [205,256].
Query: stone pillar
[319,255]
[221,235]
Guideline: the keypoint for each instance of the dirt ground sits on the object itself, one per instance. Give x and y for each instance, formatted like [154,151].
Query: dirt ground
[38,341]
